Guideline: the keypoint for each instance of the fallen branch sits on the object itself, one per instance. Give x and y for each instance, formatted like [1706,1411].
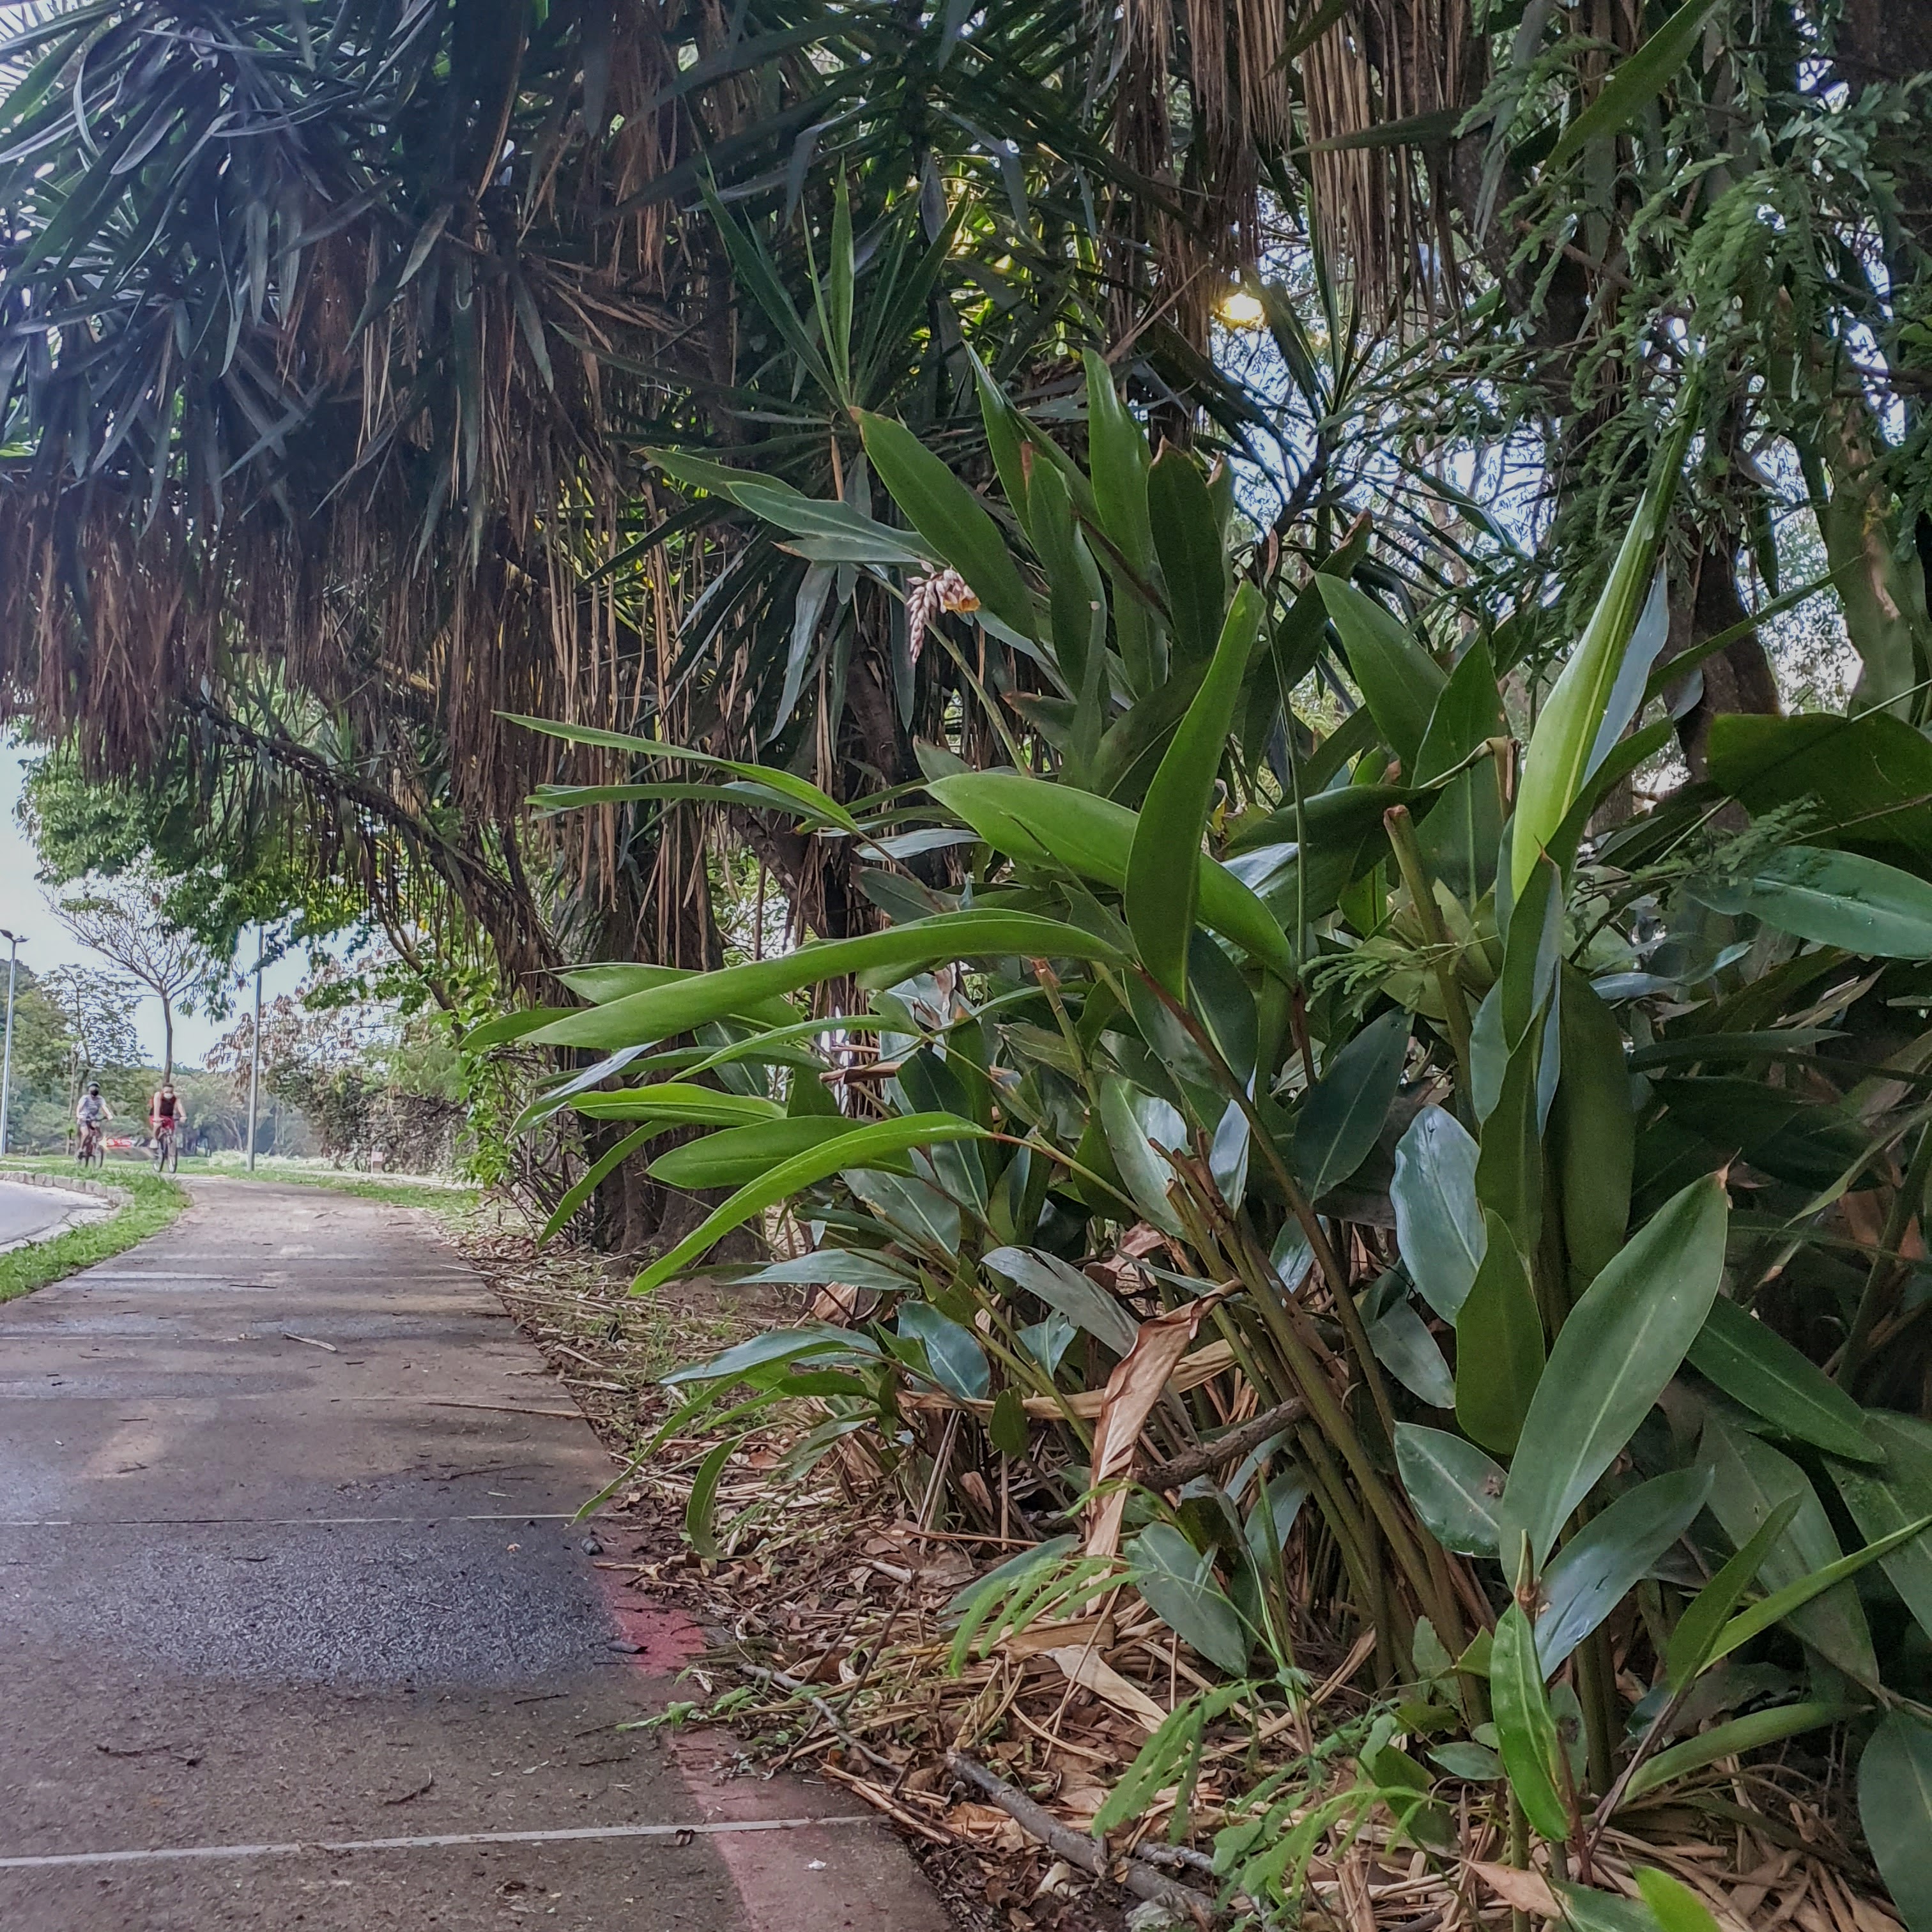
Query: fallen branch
[882,1801]
[1138,1875]
[1237,1441]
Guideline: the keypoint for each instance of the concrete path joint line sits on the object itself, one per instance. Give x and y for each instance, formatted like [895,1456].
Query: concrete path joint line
[43,1860]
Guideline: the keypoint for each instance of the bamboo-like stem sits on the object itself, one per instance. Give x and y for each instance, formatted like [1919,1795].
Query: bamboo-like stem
[1597,1694]
[1414,871]
[1313,1386]
[1332,1272]
[1519,1854]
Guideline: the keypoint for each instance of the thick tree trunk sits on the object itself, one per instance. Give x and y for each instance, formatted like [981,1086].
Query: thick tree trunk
[1704,601]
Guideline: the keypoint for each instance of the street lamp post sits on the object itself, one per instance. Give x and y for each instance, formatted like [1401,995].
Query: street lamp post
[13,939]
[255,1050]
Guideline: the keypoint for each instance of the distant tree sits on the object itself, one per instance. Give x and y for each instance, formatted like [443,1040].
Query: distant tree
[96,1014]
[123,920]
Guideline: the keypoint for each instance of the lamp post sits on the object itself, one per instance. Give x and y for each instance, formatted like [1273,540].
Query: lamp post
[255,1050]
[13,939]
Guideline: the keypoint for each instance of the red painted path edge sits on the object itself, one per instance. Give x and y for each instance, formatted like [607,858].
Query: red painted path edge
[845,1878]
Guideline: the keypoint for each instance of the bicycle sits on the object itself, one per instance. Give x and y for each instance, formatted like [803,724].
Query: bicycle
[92,1151]
[167,1148]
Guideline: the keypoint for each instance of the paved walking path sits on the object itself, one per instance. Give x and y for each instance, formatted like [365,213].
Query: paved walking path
[263,1601]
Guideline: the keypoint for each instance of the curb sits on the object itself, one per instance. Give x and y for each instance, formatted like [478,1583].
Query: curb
[119,1196]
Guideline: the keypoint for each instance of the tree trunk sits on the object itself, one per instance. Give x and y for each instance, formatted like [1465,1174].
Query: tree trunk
[1704,601]
[168,1031]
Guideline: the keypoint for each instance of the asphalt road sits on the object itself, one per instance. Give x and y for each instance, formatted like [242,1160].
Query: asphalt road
[25,1211]
[285,1566]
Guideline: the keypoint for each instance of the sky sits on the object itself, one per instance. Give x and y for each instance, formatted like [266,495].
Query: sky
[25,909]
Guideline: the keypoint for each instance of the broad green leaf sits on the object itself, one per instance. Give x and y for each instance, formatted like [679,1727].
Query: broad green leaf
[1177,1585]
[703,1497]
[1006,442]
[1883,1500]
[1795,1135]
[1757,1367]
[1076,597]
[1525,1727]
[1557,763]
[1468,709]
[776,1348]
[1634,82]
[679,1103]
[1040,823]
[811,800]
[1452,1485]
[951,518]
[1706,1614]
[506,1028]
[1732,1738]
[1834,899]
[1006,1427]
[1499,1345]
[1753,1478]
[1438,1222]
[1083,1301]
[1146,1176]
[1164,862]
[1617,1348]
[958,1362]
[738,1155]
[1591,1911]
[1193,559]
[1509,1169]
[1676,1907]
[1400,682]
[1531,954]
[1342,1114]
[1118,454]
[1592,1131]
[1895,1808]
[1477,1763]
[1870,776]
[1404,1346]
[660,1012]
[1610,1555]
[592,1178]
[1781,1604]
[816,1266]
[602,982]
[880,1140]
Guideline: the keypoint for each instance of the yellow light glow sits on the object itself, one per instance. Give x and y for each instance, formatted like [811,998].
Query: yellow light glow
[1240,310]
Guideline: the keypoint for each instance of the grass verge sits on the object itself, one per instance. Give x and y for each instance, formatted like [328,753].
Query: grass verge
[452,1201]
[151,1204]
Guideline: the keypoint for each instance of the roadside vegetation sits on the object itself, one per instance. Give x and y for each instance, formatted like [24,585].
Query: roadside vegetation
[149,1205]
[1200,734]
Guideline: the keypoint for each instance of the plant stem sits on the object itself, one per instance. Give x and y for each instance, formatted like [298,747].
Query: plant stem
[1414,871]
[1597,1695]
[1333,1273]
[1519,1854]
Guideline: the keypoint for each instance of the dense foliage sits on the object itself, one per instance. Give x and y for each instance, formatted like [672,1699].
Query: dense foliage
[1551,1199]
[1202,978]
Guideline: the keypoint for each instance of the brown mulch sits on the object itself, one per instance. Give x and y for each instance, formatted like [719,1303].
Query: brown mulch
[826,1613]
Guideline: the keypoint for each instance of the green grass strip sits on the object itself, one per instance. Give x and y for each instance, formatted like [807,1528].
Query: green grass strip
[151,1205]
[432,1194]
